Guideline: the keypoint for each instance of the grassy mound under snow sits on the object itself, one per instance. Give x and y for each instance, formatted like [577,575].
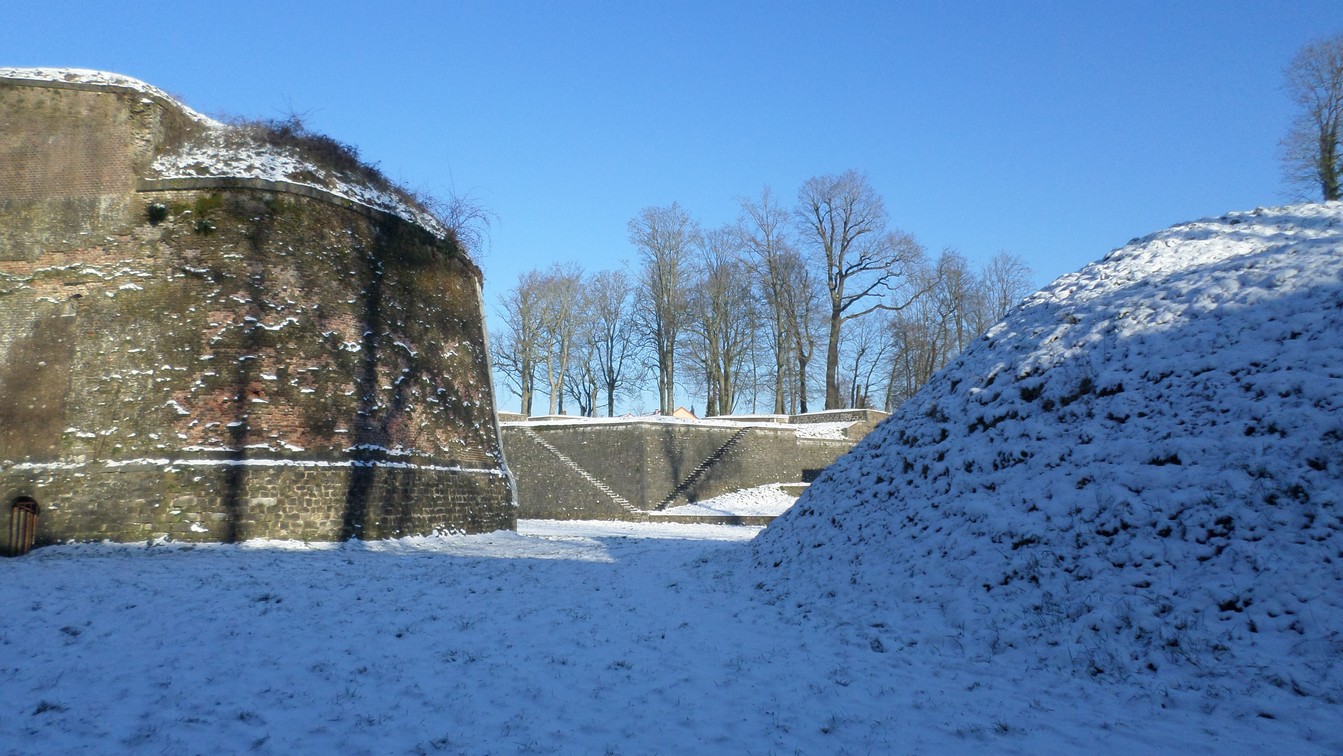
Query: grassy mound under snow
[1137,475]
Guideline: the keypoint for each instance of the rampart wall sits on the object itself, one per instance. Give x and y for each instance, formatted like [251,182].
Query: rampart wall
[644,462]
[223,359]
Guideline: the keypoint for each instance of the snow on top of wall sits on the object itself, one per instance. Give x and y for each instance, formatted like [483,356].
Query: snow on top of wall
[829,431]
[1137,475]
[224,152]
[99,78]
[220,154]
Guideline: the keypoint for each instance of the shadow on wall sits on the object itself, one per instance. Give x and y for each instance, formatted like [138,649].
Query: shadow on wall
[373,422]
[369,497]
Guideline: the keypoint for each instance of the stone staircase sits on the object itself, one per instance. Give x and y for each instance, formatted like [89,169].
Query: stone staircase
[620,501]
[701,469]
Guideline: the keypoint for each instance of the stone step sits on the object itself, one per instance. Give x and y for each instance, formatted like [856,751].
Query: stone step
[699,469]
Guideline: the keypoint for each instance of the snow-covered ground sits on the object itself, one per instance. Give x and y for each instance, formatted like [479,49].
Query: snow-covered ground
[760,501]
[568,638]
[1136,480]
[1112,526]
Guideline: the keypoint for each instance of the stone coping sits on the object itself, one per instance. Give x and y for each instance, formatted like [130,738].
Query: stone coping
[591,422]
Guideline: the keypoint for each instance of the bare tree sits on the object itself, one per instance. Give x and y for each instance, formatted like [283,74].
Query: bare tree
[664,237]
[918,340]
[956,306]
[843,222]
[1312,156]
[518,350]
[614,337]
[721,320]
[802,310]
[763,225]
[581,384]
[863,352]
[955,291]
[560,313]
[1006,280]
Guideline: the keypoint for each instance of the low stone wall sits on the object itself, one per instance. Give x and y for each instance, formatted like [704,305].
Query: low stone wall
[645,461]
[861,421]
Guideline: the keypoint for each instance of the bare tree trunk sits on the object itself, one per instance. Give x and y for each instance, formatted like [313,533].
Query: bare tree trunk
[663,237]
[802,381]
[1329,164]
[833,400]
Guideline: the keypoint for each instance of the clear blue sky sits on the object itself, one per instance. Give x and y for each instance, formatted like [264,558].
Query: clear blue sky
[1053,130]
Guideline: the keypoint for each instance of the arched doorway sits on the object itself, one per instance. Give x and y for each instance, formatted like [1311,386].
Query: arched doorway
[22,526]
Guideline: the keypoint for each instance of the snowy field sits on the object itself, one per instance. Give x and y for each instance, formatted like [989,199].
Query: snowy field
[569,638]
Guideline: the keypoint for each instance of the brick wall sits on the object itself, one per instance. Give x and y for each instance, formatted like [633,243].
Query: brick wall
[195,502]
[255,324]
[66,161]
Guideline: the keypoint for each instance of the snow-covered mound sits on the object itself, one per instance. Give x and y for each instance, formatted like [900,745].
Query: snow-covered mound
[1137,475]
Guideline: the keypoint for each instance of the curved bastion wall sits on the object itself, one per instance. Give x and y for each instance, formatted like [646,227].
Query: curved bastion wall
[223,358]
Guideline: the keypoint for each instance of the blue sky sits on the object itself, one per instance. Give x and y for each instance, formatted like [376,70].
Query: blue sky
[1053,130]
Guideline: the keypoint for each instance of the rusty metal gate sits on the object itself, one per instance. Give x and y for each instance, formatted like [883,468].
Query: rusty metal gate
[22,527]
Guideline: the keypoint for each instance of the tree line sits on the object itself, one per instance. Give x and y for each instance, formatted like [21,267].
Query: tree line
[1312,150]
[822,299]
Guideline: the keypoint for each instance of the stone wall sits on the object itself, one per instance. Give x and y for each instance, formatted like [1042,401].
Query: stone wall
[160,372]
[645,461]
[197,500]
[551,489]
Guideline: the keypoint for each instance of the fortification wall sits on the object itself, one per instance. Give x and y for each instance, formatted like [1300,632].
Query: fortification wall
[201,500]
[213,360]
[645,462]
[553,490]
[70,156]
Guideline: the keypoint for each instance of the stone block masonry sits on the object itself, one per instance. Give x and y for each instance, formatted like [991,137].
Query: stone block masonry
[225,358]
[652,464]
[215,500]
